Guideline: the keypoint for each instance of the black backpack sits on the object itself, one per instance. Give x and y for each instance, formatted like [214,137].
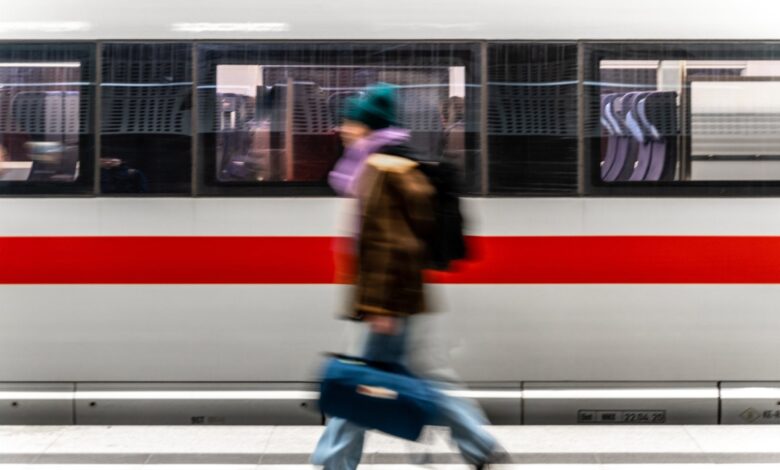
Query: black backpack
[446,242]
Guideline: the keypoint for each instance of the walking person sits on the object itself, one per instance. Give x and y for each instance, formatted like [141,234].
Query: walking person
[395,213]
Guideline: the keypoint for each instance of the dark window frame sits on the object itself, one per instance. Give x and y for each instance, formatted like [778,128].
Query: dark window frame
[592,52]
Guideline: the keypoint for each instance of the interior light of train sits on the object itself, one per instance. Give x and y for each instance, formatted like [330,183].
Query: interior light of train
[45,26]
[654,64]
[44,84]
[629,64]
[145,85]
[41,64]
[229,27]
[607,393]
[769,393]
[719,64]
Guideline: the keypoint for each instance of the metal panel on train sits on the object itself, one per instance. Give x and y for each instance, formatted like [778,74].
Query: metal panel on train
[750,402]
[189,403]
[620,403]
[502,402]
[36,403]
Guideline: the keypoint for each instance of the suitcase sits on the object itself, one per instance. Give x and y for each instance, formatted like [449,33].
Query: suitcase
[374,395]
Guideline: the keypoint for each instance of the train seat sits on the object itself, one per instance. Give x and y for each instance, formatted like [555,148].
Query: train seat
[658,111]
[613,130]
[639,130]
[626,148]
[640,127]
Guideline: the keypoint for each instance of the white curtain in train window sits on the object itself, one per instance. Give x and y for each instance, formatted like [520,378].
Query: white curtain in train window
[735,122]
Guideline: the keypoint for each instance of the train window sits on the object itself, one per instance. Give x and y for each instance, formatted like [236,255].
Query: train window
[146,103]
[684,115]
[532,118]
[269,113]
[46,136]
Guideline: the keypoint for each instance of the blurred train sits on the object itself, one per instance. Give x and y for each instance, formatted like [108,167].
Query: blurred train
[166,234]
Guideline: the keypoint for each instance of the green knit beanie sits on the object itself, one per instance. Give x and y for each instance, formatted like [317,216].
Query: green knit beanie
[376,108]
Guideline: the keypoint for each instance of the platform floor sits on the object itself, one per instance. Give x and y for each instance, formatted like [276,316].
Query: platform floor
[288,447]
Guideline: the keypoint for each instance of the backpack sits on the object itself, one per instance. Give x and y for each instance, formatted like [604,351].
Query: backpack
[446,242]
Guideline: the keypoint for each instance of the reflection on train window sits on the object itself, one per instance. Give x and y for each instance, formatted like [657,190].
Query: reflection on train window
[532,118]
[276,109]
[45,102]
[689,120]
[145,122]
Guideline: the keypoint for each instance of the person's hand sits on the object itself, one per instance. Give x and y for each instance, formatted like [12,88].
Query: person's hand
[383,324]
[3,154]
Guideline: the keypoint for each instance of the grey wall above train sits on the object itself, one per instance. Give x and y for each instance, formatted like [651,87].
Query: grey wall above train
[399,19]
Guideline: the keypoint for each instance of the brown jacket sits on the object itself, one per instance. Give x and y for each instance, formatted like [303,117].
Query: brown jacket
[396,214]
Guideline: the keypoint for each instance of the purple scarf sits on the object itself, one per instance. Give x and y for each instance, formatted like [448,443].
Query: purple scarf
[348,169]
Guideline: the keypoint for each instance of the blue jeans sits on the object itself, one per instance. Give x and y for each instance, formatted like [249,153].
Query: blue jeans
[341,445]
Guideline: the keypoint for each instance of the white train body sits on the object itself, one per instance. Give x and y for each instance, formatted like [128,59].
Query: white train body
[615,331]
[653,323]
[404,19]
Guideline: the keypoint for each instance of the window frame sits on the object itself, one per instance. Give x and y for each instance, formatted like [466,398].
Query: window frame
[590,53]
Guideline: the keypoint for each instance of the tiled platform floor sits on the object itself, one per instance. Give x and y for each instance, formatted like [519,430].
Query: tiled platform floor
[288,447]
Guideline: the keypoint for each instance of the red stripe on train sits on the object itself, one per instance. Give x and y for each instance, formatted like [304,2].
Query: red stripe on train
[310,260]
